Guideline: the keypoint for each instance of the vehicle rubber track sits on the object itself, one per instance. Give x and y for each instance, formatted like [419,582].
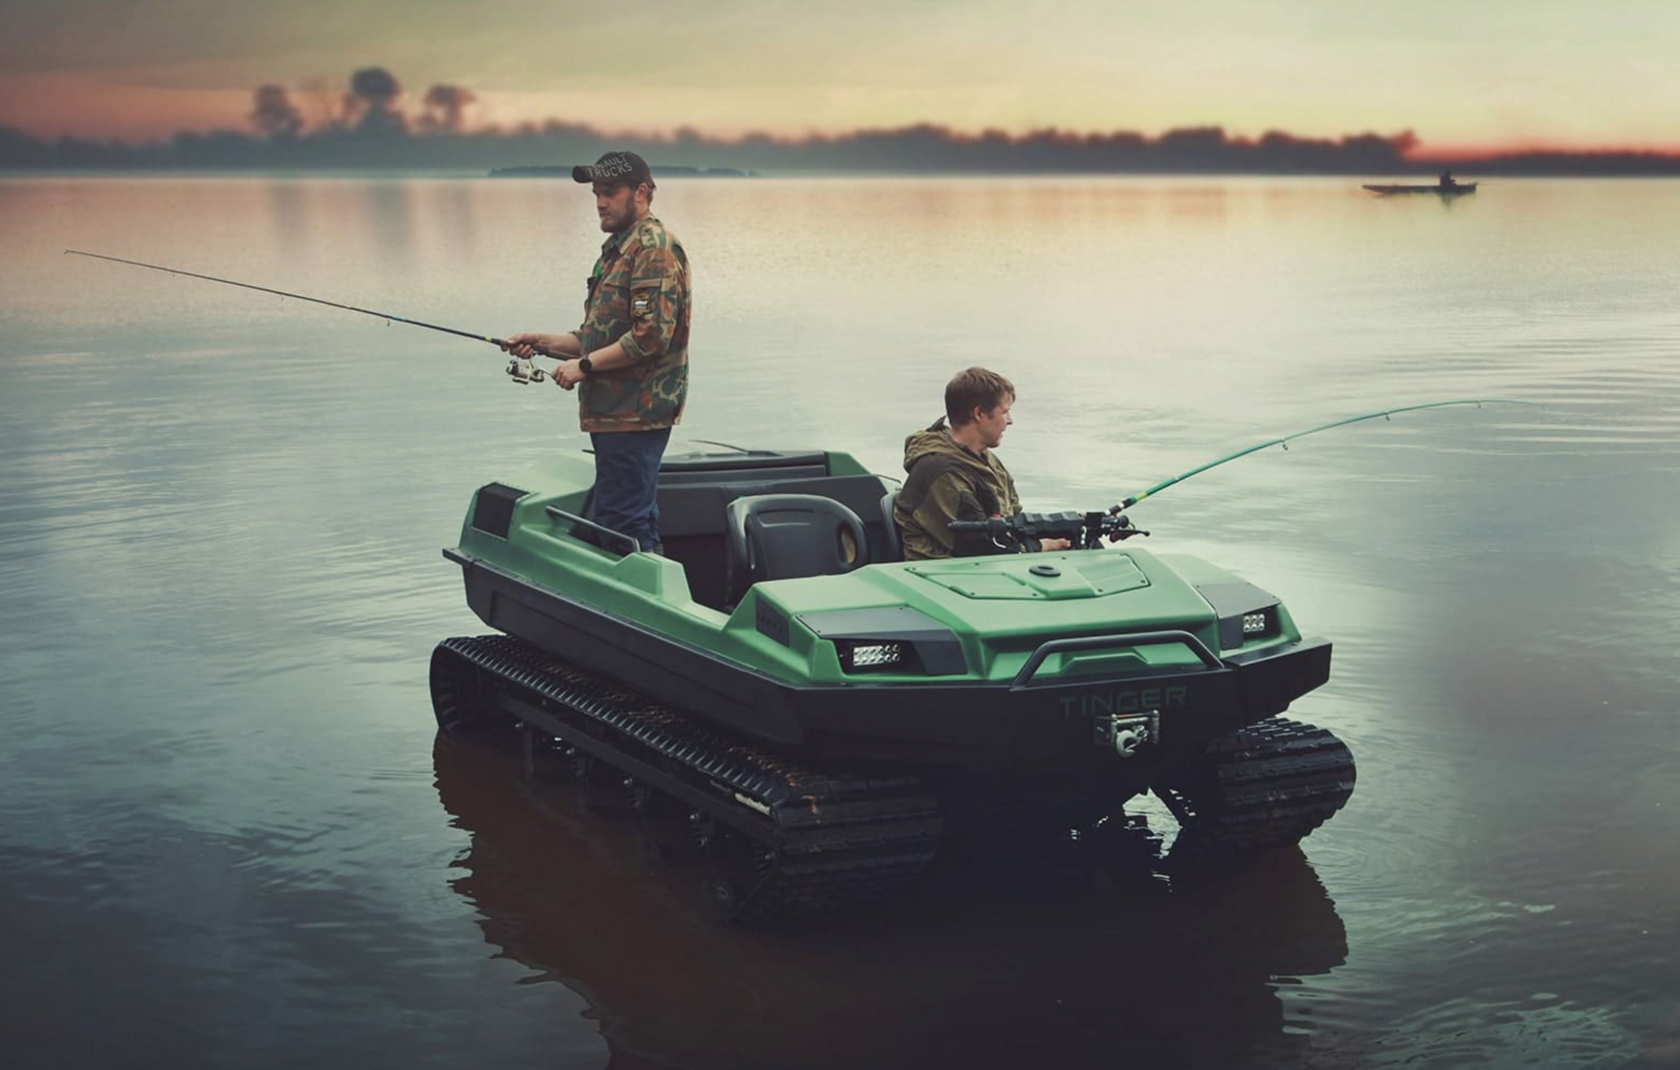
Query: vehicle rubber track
[1263,786]
[786,839]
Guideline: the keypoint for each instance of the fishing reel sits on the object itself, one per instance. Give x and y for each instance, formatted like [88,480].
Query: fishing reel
[1085,531]
[522,371]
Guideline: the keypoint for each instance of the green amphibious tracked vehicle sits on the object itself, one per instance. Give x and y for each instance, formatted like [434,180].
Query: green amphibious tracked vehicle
[825,715]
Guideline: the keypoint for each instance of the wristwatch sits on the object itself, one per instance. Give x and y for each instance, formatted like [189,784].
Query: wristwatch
[584,364]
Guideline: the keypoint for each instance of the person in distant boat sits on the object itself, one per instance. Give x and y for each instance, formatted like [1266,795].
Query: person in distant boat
[1447,180]
[629,359]
[953,473]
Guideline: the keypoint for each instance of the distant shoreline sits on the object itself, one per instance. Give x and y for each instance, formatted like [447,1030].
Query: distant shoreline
[827,173]
[533,151]
[658,172]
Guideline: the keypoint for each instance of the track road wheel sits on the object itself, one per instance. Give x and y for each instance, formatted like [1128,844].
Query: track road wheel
[641,798]
[722,896]
[739,878]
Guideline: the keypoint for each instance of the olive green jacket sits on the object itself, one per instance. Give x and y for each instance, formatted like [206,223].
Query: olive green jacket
[945,482]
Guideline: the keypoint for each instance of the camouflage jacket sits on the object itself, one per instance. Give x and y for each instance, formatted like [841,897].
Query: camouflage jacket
[946,483]
[638,296]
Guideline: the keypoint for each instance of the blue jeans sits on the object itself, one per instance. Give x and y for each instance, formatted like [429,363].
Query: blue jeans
[626,479]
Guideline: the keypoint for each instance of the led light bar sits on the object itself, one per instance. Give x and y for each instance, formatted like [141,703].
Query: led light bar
[876,655]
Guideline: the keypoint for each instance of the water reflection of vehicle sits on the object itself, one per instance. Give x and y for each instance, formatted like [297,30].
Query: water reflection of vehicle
[1104,952]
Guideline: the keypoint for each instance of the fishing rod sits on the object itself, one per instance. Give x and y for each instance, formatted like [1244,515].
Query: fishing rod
[1287,439]
[520,368]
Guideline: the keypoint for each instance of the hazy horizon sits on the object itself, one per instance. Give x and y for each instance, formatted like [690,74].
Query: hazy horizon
[1467,81]
[374,131]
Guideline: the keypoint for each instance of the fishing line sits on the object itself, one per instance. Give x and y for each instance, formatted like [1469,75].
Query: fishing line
[1287,439]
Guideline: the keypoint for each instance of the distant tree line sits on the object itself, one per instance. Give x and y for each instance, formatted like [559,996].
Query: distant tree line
[370,131]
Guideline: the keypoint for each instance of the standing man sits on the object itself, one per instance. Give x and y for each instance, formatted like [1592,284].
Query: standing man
[629,360]
[953,473]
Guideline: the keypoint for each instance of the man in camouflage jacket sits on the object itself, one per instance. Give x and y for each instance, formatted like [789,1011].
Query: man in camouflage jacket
[954,475]
[629,359]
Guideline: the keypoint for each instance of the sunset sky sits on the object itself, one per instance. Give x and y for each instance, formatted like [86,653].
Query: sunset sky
[1461,74]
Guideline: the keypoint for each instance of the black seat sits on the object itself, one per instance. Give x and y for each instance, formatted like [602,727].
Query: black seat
[786,536]
[891,542]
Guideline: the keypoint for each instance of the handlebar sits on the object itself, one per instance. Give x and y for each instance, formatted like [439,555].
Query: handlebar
[1085,531]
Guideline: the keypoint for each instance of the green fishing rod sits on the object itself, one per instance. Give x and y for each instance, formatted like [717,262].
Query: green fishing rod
[1086,531]
[521,375]
[1287,439]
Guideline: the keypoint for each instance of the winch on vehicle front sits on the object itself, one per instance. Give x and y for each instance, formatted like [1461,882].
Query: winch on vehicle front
[1126,732]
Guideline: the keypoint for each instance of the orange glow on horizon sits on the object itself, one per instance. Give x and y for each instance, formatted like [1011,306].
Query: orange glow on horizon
[1481,150]
[51,106]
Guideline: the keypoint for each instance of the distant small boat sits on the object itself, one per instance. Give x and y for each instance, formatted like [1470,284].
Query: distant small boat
[1446,191]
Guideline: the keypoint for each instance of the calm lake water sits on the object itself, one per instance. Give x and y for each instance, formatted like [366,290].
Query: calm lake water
[228,839]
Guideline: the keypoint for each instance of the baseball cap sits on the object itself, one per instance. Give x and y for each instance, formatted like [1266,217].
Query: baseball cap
[615,168]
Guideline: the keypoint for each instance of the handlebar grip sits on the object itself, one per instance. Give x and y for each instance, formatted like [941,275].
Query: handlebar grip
[995,525]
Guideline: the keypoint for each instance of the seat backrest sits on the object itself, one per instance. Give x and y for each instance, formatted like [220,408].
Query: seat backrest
[786,536]
[890,542]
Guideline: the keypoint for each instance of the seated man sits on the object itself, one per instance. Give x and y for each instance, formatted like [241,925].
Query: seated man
[954,475]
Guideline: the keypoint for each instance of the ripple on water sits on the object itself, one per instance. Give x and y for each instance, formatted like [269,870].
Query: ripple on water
[1543,1031]
[220,569]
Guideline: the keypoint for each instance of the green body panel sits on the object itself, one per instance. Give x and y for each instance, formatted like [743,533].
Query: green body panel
[999,610]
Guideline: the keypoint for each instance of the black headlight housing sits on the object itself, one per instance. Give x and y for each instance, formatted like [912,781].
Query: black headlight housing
[891,639]
[873,655]
[1246,613]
